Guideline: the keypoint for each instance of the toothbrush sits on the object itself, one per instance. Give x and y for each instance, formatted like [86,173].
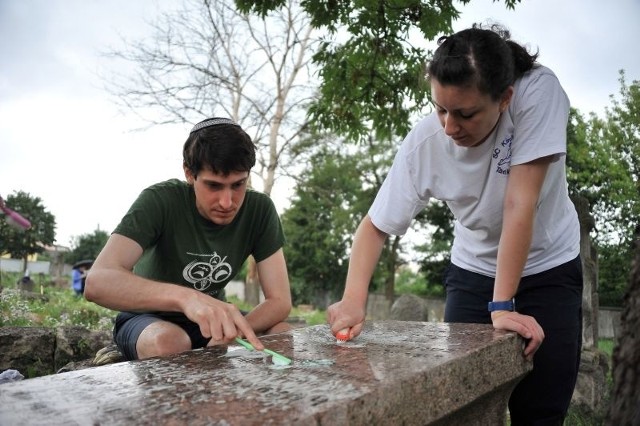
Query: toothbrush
[14,218]
[277,358]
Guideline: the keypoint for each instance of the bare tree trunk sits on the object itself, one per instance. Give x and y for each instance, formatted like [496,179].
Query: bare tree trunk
[25,264]
[252,284]
[389,290]
[625,396]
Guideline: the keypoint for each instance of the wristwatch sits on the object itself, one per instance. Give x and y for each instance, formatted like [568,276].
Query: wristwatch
[509,305]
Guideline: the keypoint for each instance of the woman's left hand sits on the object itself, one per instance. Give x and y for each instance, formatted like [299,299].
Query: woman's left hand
[525,325]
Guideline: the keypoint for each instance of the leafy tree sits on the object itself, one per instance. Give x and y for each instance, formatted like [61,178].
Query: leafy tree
[87,246]
[409,282]
[371,60]
[603,167]
[622,130]
[23,243]
[319,226]
[206,58]
[332,196]
[436,222]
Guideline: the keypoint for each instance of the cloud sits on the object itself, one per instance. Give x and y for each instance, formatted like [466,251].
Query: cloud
[63,139]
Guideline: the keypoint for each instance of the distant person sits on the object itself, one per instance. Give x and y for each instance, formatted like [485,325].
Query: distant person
[166,264]
[78,276]
[494,151]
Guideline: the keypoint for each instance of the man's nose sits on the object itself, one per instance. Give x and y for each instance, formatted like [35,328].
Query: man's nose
[226,196]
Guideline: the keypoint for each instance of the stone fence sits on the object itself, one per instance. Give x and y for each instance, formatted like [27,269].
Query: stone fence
[433,310]
[395,372]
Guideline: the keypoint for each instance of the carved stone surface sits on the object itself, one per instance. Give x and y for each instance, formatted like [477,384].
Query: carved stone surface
[395,372]
[591,384]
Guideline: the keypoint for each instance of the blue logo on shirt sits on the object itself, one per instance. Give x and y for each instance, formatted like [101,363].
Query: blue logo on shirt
[504,163]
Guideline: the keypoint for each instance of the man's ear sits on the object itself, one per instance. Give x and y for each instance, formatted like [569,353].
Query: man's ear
[506,99]
[188,175]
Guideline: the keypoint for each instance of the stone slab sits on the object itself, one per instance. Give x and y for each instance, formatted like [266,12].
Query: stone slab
[396,372]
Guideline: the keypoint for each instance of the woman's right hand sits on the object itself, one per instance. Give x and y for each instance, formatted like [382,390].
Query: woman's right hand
[350,312]
[346,314]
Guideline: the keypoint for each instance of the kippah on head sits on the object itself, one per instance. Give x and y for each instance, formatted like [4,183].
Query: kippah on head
[209,122]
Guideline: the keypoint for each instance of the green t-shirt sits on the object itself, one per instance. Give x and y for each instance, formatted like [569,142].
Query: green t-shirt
[182,247]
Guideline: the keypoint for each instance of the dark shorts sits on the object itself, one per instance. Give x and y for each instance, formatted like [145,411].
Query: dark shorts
[554,299]
[129,326]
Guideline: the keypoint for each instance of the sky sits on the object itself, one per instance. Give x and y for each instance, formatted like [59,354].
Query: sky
[64,139]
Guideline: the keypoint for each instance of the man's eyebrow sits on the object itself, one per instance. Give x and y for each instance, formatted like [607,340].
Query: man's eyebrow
[215,182]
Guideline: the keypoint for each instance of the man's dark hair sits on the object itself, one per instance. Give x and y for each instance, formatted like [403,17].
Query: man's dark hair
[221,147]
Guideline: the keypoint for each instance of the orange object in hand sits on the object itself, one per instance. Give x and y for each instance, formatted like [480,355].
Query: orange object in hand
[343,335]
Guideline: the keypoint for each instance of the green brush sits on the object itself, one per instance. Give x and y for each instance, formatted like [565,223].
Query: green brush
[275,356]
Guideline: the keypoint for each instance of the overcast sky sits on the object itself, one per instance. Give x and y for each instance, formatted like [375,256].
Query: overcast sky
[62,138]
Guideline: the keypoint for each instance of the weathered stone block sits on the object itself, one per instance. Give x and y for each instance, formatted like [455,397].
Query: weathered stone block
[39,351]
[396,372]
[29,350]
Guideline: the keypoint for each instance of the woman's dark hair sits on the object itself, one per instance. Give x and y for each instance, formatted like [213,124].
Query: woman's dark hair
[483,57]
[222,148]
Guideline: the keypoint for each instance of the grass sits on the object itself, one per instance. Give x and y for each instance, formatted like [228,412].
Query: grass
[49,306]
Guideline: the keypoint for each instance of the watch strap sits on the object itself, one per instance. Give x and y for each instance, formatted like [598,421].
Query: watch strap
[508,305]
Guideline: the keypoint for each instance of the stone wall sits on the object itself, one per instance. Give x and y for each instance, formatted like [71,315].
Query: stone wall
[39,351]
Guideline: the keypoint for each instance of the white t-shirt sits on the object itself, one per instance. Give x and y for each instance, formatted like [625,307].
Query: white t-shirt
[472,181]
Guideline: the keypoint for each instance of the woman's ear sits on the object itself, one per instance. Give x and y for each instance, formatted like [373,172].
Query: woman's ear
[506,99]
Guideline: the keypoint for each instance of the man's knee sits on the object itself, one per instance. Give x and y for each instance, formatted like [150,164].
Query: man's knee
[162,338]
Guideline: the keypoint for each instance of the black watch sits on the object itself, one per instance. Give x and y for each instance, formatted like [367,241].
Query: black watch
[509,305]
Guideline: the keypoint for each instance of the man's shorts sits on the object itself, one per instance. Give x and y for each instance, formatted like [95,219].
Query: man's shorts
[129,326]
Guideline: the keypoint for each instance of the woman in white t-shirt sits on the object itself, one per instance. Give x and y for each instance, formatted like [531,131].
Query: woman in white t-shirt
[494,152]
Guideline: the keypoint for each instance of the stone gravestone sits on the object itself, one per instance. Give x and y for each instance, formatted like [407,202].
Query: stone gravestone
[591,384]
[395,372]
[26,284]
[409,307]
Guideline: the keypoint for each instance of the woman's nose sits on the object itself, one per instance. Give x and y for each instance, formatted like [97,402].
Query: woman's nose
[450,125]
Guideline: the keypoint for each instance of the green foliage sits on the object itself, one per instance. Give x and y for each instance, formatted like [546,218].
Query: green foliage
[371,61]
[320,223]
[23,243]
[603,165]
[87,246]
[312,317]
[409,282]
[55,307]
[614,270]
[436,223]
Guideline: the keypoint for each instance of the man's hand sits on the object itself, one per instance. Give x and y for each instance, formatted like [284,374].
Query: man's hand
[525,325]
[221,321]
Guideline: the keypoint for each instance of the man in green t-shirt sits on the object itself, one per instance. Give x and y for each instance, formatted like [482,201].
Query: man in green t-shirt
[166,264]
